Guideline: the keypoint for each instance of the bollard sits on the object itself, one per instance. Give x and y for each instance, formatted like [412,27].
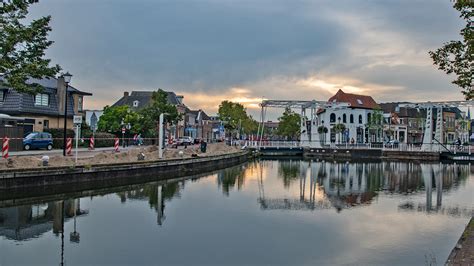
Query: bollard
[45,160]
[91,143]
[69,146]
[116,144]
[5,147]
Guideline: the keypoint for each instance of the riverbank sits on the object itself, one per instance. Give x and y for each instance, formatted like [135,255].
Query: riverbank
[107,157]
[463,252]
[22,180]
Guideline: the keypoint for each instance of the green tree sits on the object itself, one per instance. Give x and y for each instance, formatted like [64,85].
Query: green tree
[339,129]
[458,56]
[150,115]
[113,116]
[289,124]
[322,130]
[23,46]
[235,117]
[375,123]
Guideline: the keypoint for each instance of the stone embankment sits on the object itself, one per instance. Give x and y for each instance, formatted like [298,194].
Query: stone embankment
[463,252]
[113,168]
[370,154]
[108,157]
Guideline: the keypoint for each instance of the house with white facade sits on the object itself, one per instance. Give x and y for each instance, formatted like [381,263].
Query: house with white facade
[355,113]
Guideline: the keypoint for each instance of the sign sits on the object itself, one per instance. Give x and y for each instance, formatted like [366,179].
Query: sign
[77,119]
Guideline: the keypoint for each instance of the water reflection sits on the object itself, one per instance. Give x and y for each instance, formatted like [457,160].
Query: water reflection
[277,186]
[324,185]
[156,194]
[31,221]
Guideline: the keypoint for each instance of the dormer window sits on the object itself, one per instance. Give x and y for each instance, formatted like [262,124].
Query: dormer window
[135,103]
[42,99]
[359,101]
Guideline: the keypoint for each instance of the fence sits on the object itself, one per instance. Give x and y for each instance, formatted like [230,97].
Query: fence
[15,134]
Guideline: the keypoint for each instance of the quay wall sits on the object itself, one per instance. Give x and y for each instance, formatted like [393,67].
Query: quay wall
[371,154]
[112,174]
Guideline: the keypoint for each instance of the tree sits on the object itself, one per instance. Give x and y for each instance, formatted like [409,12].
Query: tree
[339,128]
[235,117]
[150,115]
[289,124]
[322,130]
[458,56]
[375,123]
[113,116]
[22,47]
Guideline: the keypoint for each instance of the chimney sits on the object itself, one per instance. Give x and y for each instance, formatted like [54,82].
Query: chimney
[125,94]
[61,90]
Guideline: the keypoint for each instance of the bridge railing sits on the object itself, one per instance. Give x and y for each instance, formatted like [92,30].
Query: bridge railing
[268,144]
[371,146]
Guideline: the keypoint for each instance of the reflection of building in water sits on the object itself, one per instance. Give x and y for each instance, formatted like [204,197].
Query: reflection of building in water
[345,185]
[31,221]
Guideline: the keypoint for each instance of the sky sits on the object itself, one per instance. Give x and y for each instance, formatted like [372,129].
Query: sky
[246,50]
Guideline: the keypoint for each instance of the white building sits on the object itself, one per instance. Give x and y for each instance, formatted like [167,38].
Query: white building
[355,118]
[92,118]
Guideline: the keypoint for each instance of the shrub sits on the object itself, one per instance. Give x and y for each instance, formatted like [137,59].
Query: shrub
[57,134]
[102,139]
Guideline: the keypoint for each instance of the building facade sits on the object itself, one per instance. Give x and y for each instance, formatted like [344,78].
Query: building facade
[355,113]
[45,109]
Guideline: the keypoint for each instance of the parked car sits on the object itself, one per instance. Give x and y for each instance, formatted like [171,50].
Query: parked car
[185,141]
[38,140]
[392,143]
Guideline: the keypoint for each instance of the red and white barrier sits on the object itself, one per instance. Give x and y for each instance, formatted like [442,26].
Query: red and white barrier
[5,147]
[91,143]
[69,146]
[116,144]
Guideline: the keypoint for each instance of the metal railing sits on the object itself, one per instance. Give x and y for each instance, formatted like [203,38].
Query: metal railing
[433,147]
[270,144]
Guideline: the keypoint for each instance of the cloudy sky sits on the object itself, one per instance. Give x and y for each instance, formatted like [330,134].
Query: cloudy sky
[210,50]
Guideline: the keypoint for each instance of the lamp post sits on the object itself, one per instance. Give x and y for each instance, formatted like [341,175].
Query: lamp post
[67,79]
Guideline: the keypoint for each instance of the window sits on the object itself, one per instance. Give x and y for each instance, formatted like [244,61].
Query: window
[351,119]
[369,118]
[135,103]
[344,119]
[79,104]
[46,124]
[332,118]
[2,94]
[42,99]
[360,119]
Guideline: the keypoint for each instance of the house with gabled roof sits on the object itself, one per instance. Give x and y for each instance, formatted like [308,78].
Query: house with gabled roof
[45,109]
[354,111]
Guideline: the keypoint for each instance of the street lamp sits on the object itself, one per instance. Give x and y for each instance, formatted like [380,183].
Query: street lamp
[67,78]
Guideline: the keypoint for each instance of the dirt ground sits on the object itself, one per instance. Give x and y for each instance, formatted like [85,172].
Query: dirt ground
[105,157]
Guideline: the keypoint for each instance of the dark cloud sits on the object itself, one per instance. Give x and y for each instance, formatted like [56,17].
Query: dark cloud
[210,46]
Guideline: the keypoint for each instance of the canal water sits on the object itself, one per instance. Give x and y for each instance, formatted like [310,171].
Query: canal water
[269,212]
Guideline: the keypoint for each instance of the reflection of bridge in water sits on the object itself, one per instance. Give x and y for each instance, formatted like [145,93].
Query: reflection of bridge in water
[344,185]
